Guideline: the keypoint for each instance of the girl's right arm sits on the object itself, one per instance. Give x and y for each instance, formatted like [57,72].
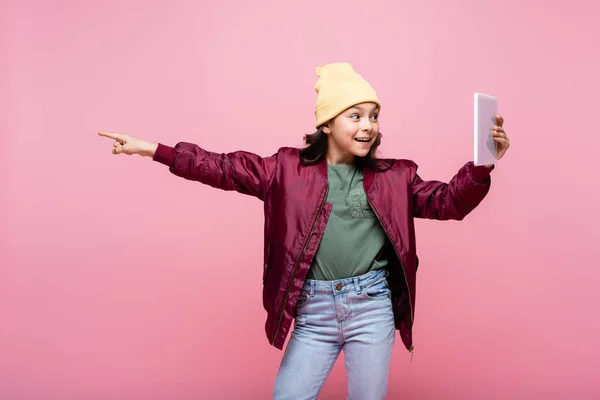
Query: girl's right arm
[241,171]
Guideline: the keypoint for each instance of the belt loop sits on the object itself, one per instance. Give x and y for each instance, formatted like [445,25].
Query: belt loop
[356,285]
[312,287]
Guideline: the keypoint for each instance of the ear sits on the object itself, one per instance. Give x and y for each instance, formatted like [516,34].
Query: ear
[326,128]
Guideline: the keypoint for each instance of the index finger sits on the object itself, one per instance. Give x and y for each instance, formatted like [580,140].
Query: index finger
[111,135]
[499,120]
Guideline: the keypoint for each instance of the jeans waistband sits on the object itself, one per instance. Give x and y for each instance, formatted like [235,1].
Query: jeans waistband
[356,283]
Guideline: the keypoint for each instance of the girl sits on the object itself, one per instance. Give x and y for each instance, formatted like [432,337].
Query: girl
[339,241]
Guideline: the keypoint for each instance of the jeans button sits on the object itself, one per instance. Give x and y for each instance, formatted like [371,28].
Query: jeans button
[339,286]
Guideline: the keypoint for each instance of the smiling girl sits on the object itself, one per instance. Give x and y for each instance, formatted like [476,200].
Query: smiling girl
[339,241]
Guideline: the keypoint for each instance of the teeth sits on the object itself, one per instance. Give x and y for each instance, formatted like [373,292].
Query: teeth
[362,139]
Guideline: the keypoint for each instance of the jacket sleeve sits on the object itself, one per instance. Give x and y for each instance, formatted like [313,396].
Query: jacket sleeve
[244,172]
[453,200]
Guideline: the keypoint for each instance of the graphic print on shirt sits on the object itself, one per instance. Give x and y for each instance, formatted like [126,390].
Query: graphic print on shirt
[360,205]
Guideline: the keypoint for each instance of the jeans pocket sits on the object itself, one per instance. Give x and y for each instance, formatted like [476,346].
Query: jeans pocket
[303,299]
[377,292]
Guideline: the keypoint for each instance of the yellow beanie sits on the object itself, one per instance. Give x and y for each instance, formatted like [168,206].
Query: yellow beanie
[339,88]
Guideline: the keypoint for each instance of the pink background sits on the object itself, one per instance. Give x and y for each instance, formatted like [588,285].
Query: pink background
[121,281]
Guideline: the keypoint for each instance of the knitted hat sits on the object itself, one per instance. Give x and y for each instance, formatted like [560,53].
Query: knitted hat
[339,88]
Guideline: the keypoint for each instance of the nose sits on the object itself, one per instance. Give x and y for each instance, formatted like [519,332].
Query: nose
[365,125]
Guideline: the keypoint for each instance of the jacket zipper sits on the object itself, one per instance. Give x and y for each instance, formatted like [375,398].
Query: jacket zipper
[401,265]
[297,264]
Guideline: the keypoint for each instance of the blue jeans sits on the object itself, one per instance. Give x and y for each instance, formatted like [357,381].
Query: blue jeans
[354,315]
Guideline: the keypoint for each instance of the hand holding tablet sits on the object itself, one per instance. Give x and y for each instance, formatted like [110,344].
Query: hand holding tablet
[490,140]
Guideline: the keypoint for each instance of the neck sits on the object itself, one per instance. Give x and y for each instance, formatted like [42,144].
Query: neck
[341,162]
[335,158]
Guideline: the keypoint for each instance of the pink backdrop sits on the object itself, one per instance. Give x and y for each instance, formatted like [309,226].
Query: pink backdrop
[121,281]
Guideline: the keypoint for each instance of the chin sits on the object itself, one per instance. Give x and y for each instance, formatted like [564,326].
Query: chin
[361,152]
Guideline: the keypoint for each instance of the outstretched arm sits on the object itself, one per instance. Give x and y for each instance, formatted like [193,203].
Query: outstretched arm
[452,200]
[241,171]
[456,199]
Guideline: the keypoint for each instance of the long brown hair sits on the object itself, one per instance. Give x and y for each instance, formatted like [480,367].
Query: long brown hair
[317,145]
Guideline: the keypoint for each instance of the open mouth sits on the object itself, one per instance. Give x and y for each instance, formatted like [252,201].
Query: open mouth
[363,140]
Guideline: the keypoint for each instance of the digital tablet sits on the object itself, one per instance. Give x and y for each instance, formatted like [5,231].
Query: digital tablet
[486,108]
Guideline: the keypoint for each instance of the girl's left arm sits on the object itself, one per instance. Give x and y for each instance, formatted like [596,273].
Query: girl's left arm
[453,200]
[456,199]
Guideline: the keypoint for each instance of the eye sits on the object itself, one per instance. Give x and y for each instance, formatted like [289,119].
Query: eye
[355,117]
[375,116]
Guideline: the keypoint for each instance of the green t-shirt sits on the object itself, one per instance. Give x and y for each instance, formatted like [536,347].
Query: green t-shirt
[354,241]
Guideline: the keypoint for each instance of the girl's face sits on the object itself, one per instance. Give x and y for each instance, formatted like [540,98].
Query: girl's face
[352,133]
